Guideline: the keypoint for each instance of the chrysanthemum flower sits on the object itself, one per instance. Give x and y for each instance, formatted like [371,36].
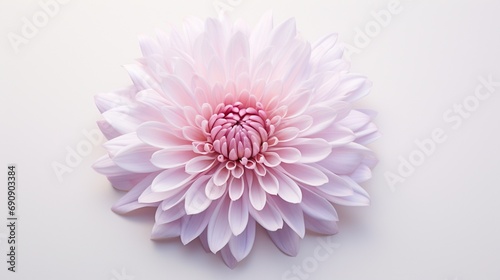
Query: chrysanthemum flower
[226,129]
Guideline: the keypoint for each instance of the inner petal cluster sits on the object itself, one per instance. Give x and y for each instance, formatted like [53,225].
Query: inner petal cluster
[239,133]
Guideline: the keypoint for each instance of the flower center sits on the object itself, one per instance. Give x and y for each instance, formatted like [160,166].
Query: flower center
[238,132]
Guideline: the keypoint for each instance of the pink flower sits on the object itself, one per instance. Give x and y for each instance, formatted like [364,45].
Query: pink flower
[225,129]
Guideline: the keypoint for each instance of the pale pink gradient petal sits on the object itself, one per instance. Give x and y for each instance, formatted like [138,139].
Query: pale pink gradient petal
[286,240]
[242,244]
[219,231]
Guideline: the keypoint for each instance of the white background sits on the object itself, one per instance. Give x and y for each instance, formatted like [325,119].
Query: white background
[442,222]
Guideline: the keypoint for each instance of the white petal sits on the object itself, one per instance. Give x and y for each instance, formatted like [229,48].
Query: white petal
[109,100]
[242,244]
[165,231]
[121,142]
[220,176]
[199,164]
[171,179]
[286,154]
[193,134]
[336,135]
[269,183]
[174,89]
[289,190]
[287,134]
[141,77]
[292,215]
[355,120]
[298,105]
[317,207]
[238,216]
[196,201]
[286,240]
[129,201]
[322,116]
[236,188]
[271,159]
[269,217]
[136,158]
[107,167]
[213,192]
[311,150]
[305,174]
[302,122]
[126,119]
[159,135]
[336,185]
[169,159]
[149,46]
[353,87]
[228,258]
[361,174]
[322,46]
[150,196]
[359,198]
[346,159]
[193,226]
[237,48]
[321,226]
[260,34]
[283,33]
[219,231]
[173,200]
[107,130]
[172,214]
[257,196]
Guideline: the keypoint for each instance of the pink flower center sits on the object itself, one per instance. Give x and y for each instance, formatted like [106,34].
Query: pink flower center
[238,132]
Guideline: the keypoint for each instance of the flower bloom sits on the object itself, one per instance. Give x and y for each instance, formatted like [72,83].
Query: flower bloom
[227,128]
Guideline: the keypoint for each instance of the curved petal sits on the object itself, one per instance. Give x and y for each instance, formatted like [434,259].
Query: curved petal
[317,207]
[171,179]
[193,225]
[292,215]
[136,158]
[238,216]
[321,226]
[169,159]
[242,244]
[311,150]
[289,191]
[166,231]
[199,164]
[305,174]
[219,231]
[196,201]
[159,135]
[269,217]
[129,201]
[286,240]
[268,183]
